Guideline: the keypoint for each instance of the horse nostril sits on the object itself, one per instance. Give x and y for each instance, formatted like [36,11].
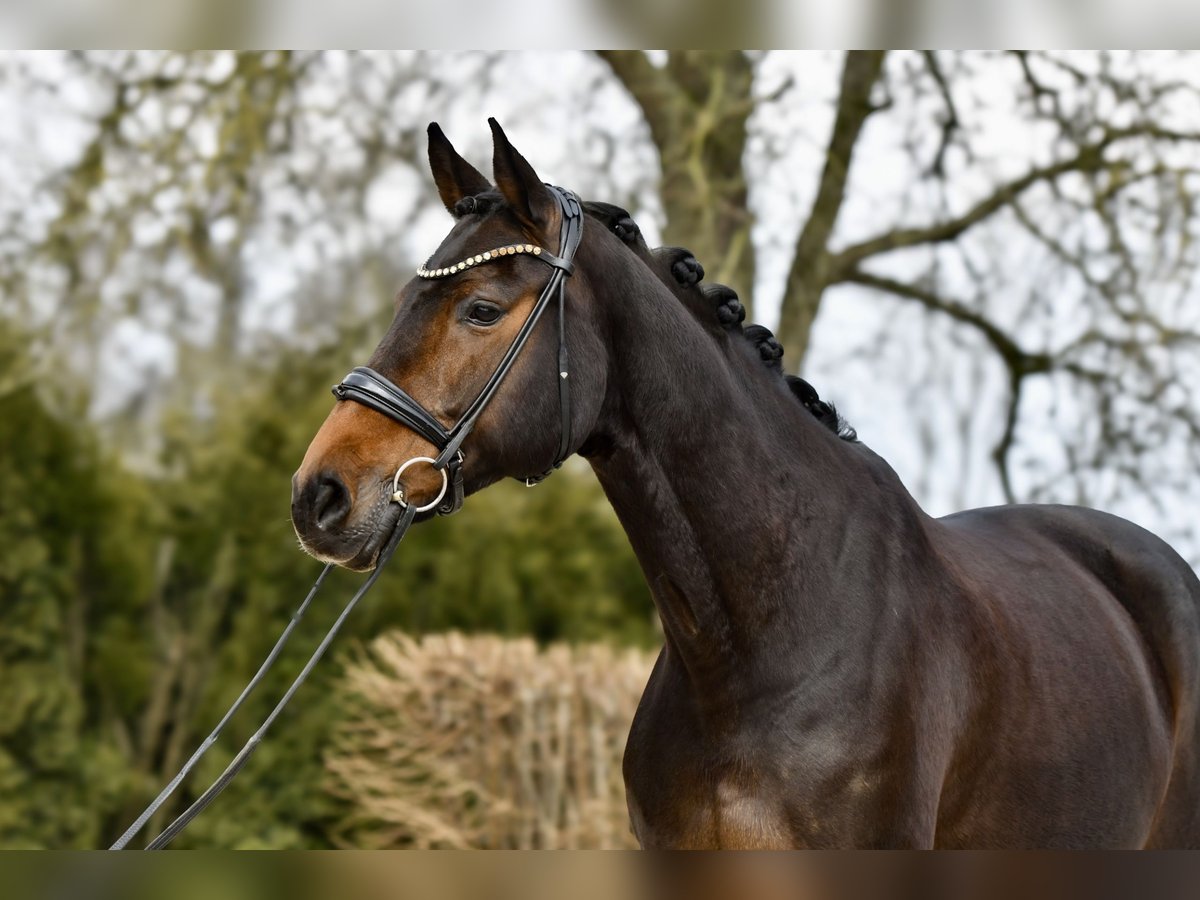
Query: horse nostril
[331,502]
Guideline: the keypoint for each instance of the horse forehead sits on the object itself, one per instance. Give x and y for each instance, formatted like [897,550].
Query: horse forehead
[470,236]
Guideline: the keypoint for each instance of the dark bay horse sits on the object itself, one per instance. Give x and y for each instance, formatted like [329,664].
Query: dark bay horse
[839,668]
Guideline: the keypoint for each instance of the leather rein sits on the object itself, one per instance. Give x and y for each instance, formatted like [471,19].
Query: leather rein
[366,386]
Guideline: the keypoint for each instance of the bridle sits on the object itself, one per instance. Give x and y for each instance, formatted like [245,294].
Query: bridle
[368,387]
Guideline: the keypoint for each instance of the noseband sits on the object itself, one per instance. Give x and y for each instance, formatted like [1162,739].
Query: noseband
[366,386]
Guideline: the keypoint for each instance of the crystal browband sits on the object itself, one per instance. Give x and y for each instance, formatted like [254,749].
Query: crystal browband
[476,260]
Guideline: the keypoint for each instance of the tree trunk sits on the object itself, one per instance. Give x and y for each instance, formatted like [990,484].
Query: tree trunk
[696,107]
[810,272]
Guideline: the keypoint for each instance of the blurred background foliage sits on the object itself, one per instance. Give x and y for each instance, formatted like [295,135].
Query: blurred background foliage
[135,606]
[990,260]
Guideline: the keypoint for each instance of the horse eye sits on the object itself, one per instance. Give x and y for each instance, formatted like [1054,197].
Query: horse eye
[484,313]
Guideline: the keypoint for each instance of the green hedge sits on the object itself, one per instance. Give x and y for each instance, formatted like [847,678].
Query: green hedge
[134,607]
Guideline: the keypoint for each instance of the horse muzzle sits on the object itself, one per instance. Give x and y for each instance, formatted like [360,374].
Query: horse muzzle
[339,524]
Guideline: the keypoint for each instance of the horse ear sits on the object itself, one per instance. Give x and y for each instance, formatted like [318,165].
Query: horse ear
[520,185]
[454,176]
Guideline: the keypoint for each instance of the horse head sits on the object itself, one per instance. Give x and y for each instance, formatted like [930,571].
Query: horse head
[451,338]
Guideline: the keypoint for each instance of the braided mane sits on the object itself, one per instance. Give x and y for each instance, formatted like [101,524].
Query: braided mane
[729,313]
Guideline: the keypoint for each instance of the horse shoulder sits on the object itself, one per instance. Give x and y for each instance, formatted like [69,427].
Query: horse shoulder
[1088,652]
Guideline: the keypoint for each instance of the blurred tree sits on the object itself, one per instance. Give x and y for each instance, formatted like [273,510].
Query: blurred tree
[1083,166]
[71,662]
[697,105]
[196,174]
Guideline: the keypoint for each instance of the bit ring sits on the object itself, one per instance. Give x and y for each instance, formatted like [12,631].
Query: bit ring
[398,491]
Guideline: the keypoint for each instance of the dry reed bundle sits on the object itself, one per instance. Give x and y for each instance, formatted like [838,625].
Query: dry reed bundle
[455,741]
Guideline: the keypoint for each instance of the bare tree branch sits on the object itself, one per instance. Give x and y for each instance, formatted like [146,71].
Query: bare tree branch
[1089,158]
[1002,452]
[950,122]
[808,275]
[1013,355]
[1019,363]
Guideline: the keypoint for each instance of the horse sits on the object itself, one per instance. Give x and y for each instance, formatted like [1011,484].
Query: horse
[839,668]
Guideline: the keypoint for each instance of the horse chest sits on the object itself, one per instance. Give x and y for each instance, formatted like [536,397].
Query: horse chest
[689,788]
[697,807]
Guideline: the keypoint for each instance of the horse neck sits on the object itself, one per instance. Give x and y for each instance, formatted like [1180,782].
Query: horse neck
[760,533]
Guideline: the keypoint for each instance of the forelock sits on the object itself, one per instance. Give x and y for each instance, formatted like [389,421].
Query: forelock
[478,204]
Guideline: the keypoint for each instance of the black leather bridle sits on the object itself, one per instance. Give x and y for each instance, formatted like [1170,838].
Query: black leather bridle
[366,386]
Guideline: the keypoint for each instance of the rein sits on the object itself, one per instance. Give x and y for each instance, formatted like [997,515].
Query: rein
[366,386]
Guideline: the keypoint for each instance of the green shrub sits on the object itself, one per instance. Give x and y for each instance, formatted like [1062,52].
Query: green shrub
[134,606]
